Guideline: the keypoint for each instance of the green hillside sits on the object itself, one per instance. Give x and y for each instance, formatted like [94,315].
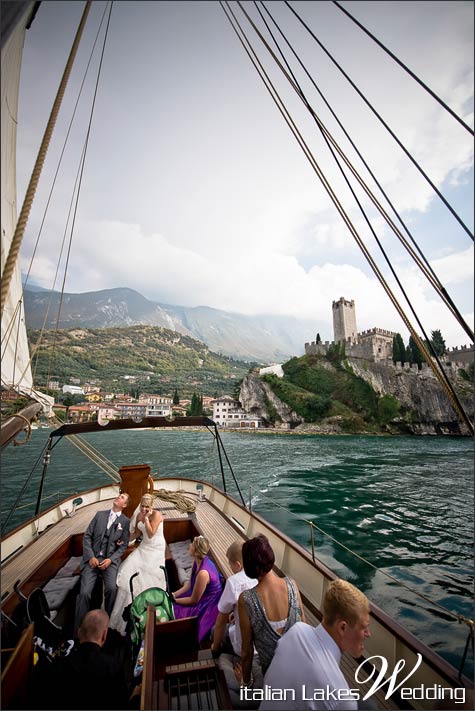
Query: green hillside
[316,388]
[158,359]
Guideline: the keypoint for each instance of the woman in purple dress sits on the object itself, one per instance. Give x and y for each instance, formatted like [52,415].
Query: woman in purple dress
[200,594]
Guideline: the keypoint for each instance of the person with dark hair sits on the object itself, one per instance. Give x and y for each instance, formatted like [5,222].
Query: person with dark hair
[266,611]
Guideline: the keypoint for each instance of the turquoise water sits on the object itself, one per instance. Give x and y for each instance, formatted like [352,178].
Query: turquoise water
[403,503]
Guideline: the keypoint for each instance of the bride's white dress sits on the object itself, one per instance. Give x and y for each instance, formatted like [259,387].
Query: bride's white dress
[145,560]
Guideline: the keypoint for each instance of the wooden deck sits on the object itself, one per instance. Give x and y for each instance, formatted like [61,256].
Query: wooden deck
[214,526]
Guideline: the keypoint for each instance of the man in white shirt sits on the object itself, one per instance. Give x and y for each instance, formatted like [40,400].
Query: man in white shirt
[227,634]
[305,671]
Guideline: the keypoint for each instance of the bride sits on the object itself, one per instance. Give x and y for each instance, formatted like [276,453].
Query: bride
[145,560]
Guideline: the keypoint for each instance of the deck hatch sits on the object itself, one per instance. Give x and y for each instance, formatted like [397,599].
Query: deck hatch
[193,689]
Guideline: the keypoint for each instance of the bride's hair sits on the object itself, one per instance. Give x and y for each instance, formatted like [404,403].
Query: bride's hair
[148,500]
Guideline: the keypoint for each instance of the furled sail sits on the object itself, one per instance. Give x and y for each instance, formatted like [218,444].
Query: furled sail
[16,369]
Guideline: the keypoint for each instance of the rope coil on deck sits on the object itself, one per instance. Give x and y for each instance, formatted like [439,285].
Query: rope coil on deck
[181,502]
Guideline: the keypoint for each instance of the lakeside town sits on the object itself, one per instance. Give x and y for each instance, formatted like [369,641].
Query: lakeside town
[94,404]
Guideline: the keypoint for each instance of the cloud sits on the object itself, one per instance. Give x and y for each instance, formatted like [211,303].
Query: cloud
[255,281]
[455,268]
[200,196]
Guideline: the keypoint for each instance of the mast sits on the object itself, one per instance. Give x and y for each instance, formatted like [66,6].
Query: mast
[16,368]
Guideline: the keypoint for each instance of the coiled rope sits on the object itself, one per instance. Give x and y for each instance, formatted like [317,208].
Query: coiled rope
[182,502]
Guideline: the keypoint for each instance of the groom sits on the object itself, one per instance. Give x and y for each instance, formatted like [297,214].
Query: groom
[106,538]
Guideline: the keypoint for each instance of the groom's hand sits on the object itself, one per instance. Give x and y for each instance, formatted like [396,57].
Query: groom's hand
[105,564]
[93,562]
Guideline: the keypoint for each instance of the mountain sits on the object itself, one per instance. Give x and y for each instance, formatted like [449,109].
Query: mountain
[253,338]
[149,358]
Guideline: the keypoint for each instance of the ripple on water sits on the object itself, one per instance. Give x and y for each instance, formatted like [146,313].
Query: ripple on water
[404,503]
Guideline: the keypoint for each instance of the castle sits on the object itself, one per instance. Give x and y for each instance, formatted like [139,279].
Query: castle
[375,344]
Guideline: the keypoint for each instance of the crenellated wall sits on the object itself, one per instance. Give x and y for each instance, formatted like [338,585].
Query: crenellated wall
[463,355]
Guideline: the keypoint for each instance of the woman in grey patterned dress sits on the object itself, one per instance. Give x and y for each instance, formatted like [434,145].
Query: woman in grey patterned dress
[266,611]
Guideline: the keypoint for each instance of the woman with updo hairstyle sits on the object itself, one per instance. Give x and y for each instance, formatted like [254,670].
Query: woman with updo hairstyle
[199,596]
[266,611]
[148,560]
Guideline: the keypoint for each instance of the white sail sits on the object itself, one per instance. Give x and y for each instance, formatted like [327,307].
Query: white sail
[16,370]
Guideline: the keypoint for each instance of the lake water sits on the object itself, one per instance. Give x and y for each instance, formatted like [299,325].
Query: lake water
[405,504]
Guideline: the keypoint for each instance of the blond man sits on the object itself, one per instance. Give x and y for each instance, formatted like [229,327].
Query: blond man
[308,658]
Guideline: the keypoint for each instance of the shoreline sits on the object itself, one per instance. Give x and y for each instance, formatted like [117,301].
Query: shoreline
[312,432]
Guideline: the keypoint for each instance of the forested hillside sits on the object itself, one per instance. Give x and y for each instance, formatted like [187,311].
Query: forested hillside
[158,360]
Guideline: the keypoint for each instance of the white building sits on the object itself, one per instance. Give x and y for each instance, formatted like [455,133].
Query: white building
[228,413]
[105,414]
[73,389]
[274,369]
[156,405]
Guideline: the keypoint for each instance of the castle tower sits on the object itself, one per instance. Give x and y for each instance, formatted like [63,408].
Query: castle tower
[344,320]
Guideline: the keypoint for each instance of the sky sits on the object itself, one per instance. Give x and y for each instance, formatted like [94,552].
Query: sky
[194,190]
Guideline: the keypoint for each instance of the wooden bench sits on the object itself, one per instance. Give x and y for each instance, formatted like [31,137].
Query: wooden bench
[177,674]
[58,576]
[16,675]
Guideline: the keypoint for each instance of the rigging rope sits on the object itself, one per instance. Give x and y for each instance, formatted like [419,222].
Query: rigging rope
[93,454]
[455,615]
[386,126]
[22,490]
[320,125]
[94,457]
[406,68]
[298,136]
[50,300]
[81,172]
[14,250]
[435,281]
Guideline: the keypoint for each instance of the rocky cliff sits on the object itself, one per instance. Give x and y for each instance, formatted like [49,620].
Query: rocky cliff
[424,406]
[419,394]
[258,399]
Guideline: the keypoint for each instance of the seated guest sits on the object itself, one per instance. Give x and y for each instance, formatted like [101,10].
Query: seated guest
[89,678]
[309,657]
[105,539]
[227,634]
[200,594]
[266,611]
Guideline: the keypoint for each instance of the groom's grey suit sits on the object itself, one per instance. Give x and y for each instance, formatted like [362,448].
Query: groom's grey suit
[100,542]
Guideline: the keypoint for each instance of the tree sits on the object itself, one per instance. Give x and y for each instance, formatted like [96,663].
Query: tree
[438,343]
[336,353]
[176,399]
[416,354]
[237,389]
[388,409]
[318,339]
[399,349]
[196,406]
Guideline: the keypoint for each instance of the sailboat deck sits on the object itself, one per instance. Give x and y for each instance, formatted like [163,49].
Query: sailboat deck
[211,521]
